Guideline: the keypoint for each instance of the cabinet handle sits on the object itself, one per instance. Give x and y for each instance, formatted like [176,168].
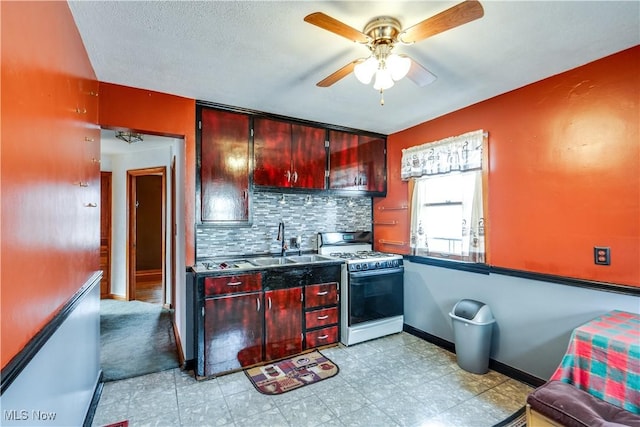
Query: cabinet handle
[295,177]
[288,175]
[258,301]
[269,299]
[322,293]
[90,205]
[234,283]
[323,337]
[323,317]
[355,181]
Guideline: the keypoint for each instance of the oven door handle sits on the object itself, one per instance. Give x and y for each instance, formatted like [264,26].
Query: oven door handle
[379,272]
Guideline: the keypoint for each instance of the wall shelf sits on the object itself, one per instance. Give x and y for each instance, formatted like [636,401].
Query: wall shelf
[392,208]
[393,222]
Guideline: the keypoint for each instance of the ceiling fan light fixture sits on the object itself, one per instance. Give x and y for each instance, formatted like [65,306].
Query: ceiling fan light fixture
[398,66]
[129,137]
[365,70]
[383,80]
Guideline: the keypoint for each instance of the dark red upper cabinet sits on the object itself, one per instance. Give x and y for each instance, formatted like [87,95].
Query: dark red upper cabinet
[288,155]
[224,166]
[357,162]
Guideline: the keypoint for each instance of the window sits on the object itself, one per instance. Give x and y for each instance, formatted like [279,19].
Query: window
[447,215]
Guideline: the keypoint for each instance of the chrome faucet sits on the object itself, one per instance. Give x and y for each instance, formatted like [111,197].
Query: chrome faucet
[281,238]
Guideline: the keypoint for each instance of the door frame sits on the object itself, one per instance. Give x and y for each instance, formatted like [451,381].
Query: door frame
[132,174]
[106,202]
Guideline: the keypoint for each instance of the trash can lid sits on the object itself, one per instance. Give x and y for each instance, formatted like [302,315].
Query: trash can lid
[473,310]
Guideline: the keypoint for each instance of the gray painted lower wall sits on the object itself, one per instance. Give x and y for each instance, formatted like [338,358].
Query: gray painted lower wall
[57,385]
[534,319]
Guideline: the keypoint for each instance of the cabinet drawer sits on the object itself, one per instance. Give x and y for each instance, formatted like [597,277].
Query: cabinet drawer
[321,295]
[317,318]
[322,337]
[231,284]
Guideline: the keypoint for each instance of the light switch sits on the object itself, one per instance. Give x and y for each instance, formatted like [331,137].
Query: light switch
[601,255]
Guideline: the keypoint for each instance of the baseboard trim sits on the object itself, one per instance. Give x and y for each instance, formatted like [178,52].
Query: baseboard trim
[176,337]
[17,364]
[504,369]
[155,274]
[97,393]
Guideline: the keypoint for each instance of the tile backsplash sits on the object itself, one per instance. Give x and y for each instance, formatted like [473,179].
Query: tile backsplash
[303,215]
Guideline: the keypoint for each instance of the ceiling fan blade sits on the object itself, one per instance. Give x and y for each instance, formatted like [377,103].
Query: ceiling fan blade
[420,75]
[328,23]
[342,72]
[462,13]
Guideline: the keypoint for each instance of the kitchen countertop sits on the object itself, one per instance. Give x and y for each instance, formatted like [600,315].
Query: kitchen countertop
[237,264]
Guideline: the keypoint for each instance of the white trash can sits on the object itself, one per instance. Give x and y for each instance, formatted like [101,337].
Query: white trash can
[472,330]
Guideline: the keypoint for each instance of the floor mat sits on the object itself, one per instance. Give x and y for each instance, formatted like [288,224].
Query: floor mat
[290,374]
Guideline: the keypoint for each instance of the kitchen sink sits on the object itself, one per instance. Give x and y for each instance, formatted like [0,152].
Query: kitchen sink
[270,261]
[308,258]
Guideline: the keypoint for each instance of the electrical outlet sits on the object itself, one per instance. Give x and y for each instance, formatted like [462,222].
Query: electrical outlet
[601,255]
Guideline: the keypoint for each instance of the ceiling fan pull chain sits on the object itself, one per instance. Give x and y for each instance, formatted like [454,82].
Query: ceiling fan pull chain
[381,98]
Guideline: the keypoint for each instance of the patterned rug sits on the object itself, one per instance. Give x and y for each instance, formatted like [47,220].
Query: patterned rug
[290,374]
[517,419]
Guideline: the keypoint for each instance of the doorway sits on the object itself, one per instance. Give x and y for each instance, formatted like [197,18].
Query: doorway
[146,202]
[105,233]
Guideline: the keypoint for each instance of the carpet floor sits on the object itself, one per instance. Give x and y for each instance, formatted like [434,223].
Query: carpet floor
[136,338]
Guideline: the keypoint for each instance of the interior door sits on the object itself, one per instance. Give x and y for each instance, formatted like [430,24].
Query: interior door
[105,233]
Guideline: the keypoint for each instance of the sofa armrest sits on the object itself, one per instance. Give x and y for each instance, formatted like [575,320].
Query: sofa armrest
[569,406]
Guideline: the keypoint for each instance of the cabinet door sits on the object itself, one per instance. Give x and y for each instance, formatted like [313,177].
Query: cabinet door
[320,295]
[308,157]
[372,164]
[343,160]
[321,337]
[283,323]
[272,153]
[233,328]
[232,284]
[224,168]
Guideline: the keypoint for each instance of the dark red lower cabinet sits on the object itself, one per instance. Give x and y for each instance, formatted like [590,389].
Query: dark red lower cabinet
[233,329]
[283,323]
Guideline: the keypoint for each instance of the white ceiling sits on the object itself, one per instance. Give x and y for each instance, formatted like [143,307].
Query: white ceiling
[263,56]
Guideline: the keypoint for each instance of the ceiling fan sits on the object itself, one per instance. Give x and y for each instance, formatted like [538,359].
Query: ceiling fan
[381,35]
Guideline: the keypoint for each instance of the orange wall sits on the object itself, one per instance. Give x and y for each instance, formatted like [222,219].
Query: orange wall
[161,114]
[50,240]
[564,171]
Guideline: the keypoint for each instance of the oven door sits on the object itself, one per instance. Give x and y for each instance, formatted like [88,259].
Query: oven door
[375,294]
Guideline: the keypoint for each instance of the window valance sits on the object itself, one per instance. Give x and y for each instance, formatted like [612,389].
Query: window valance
[456,153]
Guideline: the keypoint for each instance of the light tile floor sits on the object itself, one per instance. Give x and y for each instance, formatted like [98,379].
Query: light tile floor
[399,380]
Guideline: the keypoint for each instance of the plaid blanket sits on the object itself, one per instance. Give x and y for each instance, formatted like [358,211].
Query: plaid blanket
[603,359]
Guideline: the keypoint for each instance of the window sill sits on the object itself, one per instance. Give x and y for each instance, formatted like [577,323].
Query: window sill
[487,269]
[454,265]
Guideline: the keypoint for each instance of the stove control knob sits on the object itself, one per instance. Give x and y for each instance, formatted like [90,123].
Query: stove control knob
[378,264]
[365,266]
[357,266]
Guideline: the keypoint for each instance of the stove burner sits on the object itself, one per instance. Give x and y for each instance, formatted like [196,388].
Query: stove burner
[361,255]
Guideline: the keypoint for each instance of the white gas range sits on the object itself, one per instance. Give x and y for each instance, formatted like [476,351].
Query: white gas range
[372,288]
